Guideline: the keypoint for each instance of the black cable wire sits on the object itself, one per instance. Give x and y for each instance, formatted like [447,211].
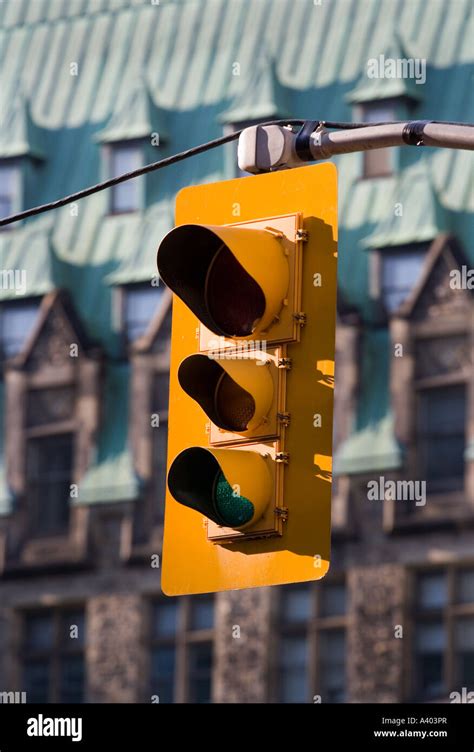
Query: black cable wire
[167,161]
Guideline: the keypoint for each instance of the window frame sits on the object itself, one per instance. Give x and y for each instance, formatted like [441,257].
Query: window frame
[122,293]
[111,149]
[311,630]
[18,193]
[53,428]
[39,434]
[380,257]
[385,155]
[182,640]
[421,384]
[59,648]
[450,614]
[444,485]
[19,302]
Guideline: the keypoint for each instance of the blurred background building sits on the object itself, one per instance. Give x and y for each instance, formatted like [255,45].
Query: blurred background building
[94,88]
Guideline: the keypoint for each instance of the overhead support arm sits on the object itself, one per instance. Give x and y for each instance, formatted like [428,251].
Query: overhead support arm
[263,148]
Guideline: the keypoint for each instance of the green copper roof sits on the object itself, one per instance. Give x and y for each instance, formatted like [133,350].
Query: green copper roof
[371,449]
[138,262]
[136,117]
[381,79]
[261,98]
[111,476]
[28,249]
[19,134]
[413,213]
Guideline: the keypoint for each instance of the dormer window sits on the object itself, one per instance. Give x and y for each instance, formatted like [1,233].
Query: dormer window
[377,112]
[125,157]
[10,187]
[377,162]
[385,95]
[431,393]
[21,149]
[400,271]
[17,319]
[133,131]
[139,307]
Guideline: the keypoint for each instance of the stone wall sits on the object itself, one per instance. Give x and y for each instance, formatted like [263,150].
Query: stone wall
[113,653]
[243,634]
[375,641]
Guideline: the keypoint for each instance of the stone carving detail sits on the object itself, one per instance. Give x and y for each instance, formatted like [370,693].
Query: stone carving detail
[53,345]
[441,355]
[50,405]
[438,299]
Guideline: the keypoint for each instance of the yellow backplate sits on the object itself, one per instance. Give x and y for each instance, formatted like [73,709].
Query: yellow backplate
[191,562]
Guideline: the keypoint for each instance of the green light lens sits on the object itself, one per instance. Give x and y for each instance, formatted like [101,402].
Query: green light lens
[235,510]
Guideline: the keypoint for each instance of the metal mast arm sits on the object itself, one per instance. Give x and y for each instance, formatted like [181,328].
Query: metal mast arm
[270,147]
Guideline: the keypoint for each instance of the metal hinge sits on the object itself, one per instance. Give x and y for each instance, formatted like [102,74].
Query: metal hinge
[282,457]
[302,235]
[284,363]
[282,513]
[300,318]
[284,418]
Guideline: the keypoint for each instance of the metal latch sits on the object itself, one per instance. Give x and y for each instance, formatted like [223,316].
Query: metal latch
[300,318]
[282,513]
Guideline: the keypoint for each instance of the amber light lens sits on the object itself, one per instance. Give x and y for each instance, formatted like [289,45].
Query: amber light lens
[234,406]
[234,300]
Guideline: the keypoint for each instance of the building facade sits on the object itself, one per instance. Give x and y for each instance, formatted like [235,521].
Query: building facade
[94,88]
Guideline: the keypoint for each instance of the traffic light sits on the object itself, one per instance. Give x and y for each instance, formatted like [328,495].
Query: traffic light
[252,265]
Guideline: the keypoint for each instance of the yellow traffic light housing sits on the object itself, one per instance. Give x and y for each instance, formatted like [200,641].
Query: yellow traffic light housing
[236,395]
[233,292]
[252,264]
[241,281]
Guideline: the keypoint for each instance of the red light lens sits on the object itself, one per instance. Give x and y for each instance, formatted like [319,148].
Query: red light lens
[234,300]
